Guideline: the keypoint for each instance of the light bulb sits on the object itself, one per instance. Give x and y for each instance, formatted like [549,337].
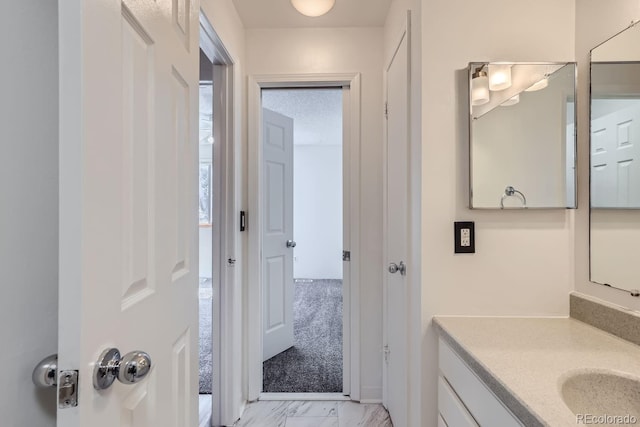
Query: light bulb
[499,76]
[479,88]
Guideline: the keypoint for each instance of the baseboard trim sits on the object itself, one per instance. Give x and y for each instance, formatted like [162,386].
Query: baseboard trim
[303,396]
[366,401]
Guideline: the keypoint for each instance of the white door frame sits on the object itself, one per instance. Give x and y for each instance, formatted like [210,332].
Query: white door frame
[351,209]
[413,280]
[225,342]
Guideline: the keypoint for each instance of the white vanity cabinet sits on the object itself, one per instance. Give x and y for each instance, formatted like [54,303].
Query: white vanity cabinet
[463,399]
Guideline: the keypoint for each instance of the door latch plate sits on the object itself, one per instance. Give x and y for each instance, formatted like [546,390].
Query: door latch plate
[346,255]
[68,389]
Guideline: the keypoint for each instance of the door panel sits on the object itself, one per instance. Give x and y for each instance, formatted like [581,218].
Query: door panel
[128,206]
[277,258]
[276,293]
[615,164]
[137,190]
[397,237]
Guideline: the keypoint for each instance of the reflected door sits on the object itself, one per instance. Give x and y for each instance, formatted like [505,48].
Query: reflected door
[615,159]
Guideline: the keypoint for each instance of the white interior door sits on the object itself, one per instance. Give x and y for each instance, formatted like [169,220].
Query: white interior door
[277,240]
[397,238]
[615,159]
[128,207]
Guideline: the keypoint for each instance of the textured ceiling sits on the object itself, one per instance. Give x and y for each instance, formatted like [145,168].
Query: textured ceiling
[316,113]
[281,14]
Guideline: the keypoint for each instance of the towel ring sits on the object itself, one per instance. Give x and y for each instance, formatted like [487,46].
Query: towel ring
[510,191]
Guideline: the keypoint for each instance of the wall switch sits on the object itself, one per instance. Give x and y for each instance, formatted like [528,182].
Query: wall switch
[464,237]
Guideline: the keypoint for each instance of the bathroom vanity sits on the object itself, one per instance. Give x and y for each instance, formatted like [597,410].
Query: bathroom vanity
[533,372]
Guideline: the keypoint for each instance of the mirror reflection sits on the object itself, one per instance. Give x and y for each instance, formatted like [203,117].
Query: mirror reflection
[522,135]
[615,160]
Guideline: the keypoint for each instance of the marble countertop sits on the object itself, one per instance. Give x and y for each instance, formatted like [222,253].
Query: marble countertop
[523,360]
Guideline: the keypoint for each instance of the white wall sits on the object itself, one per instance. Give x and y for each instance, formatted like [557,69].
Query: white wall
[523,263]
[621,48]
[596,21]
[225,20]
[343,50]
[205,237]
[614,253]
[317,208]
[28,207]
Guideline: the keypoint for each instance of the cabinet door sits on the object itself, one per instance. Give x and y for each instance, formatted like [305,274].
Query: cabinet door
[451,409]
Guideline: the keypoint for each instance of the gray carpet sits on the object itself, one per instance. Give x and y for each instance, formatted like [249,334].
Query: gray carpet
[314,363]
[206,344]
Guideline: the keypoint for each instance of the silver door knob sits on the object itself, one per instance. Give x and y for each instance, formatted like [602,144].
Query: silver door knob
[291,243]
[394,268]
[129,369]
[46,372]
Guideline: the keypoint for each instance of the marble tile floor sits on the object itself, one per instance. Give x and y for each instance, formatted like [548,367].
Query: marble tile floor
[204,420]
[293,413]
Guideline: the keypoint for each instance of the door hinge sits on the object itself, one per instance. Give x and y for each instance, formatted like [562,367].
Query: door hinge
[386,351]
[346,255]
[386,110]
[67,389]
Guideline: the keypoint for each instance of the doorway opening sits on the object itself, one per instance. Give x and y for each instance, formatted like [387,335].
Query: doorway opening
[205,217]
[303,240]
[218,368]
[260,179]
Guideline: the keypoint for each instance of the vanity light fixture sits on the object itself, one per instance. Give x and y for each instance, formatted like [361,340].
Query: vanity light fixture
[499,76]
[511,101]
[539,85]
[313,8]
[479,87]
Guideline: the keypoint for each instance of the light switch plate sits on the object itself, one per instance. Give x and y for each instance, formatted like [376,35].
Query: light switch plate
[464,240]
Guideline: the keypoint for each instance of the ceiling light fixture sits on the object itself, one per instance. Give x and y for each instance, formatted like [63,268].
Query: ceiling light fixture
[499,76]
[313,8]
[479,87]
[538,85]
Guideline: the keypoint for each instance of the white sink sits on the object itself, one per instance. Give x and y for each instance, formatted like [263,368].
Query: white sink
[599,392]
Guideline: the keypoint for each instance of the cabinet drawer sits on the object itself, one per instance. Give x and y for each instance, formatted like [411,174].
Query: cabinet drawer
[484,406]
[451,408]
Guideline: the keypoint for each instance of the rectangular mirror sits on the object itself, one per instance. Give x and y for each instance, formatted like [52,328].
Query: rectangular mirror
[615,161]
[522,135]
